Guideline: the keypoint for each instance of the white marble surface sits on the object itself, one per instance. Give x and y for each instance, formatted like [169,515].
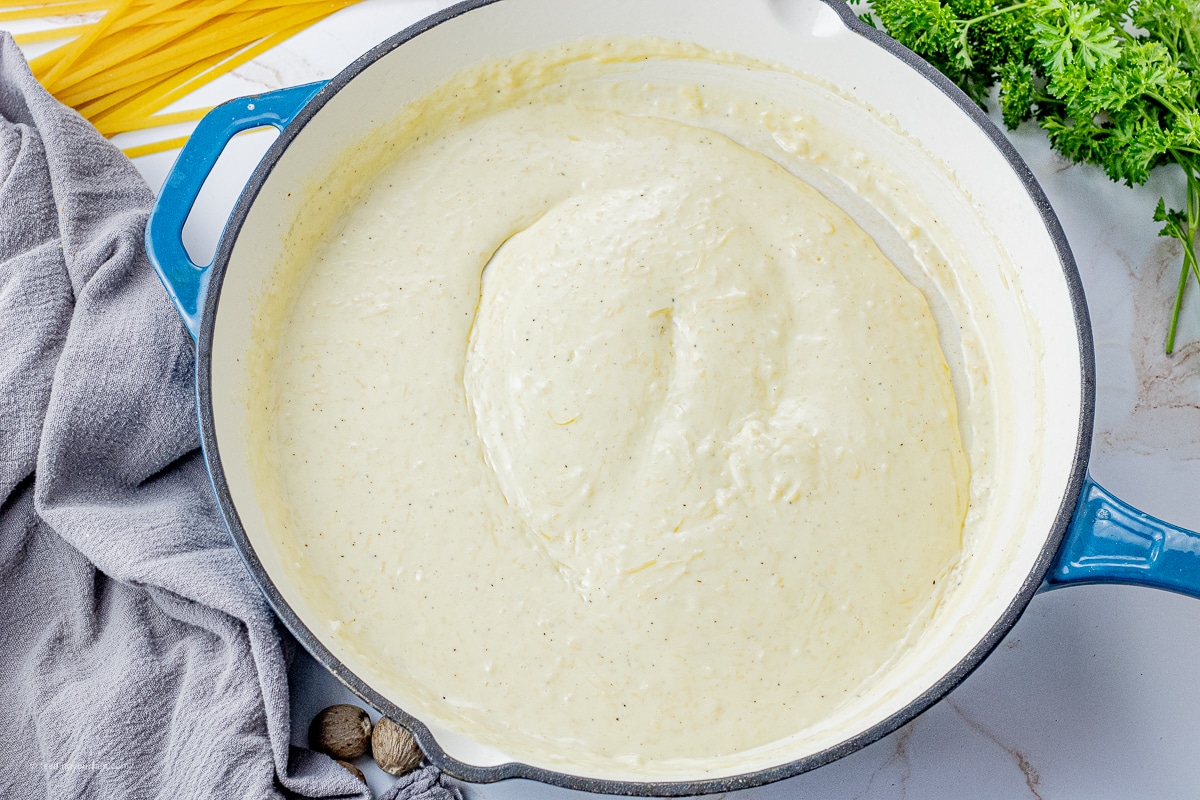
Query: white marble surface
[1096,692]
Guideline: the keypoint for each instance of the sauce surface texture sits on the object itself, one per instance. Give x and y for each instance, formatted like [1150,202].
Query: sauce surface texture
[599,431]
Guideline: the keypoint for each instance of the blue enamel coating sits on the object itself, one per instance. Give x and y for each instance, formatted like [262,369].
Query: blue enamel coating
[1109,541]
[187,282]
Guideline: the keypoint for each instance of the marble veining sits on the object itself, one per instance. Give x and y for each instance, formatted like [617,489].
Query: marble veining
[1166,414]
[900,760]
[1032,779]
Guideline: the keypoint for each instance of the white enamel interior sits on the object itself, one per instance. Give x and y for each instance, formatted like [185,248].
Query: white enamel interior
[1038,355]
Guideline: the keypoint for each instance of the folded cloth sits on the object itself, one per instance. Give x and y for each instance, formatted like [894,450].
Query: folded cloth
[426,783]
[137,656]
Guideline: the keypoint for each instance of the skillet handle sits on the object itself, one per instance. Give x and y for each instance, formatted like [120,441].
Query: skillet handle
[1109,541]
[187,282]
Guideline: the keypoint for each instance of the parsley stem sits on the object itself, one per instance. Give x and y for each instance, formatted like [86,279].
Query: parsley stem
[1120,31]
[1183,276]
[1189,260]
[997,12]
[1191,43]
[1189,265]
[1165,103]
[1186,237]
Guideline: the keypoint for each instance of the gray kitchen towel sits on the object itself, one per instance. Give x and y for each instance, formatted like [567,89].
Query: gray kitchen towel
[426,783]
[137,657]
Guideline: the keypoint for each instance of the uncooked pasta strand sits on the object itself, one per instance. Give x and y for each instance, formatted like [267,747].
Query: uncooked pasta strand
[181,55]
[248,30]
[140,57]
[147,92]
[155,147]
[151,41]
[57,10]
[162,65]
[155,102]
[152,14]
[50,34]
[76,48]
[94,104]
[158,120]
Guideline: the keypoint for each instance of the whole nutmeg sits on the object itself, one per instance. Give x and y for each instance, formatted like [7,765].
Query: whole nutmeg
[342,731]
[394,749]
[355,771]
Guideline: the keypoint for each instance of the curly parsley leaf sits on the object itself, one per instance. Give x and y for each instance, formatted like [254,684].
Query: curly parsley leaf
[1066,33]
[1018,92]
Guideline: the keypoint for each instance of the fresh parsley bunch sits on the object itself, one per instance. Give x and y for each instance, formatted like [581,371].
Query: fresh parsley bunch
[1114,83]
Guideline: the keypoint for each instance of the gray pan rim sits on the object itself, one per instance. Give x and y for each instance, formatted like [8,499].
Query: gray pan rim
[475,774]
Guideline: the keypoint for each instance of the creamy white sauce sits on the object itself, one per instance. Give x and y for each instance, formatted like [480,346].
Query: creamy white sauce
[671,478]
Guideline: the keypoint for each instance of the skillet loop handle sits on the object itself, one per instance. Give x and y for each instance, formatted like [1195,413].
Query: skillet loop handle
[1109,541]
[187,282]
